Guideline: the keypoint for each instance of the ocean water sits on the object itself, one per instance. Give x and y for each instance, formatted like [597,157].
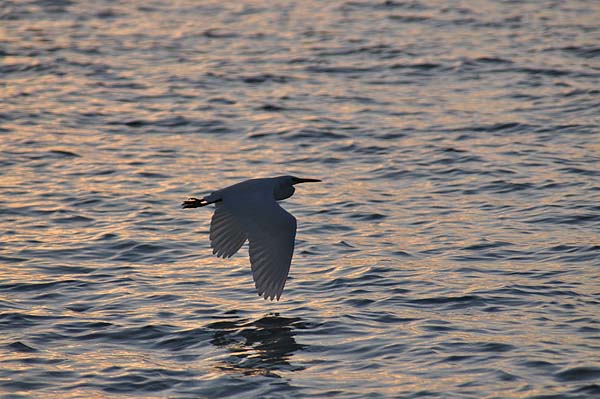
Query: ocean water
[452,250]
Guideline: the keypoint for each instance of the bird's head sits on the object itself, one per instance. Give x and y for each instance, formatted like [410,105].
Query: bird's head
[285,188]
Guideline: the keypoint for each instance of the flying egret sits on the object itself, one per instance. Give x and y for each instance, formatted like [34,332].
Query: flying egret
[249,211]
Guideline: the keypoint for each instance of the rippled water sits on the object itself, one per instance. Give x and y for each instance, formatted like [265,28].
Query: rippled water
[453,249]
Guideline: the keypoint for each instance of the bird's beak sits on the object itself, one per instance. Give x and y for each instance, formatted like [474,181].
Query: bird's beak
[307,181]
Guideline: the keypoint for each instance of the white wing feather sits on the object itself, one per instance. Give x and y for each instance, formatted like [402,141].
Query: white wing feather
[271,231]
[226,235]
[271,250]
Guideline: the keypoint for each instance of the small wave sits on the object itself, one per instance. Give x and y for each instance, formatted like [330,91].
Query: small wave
[551,72]
[579,218]
[587,52]
[486,245]
[385,4]
[184,340]
[15,320]
[341,69]
[134,382]
[457,302]
[505,127]
[37,287]
[24,386]
[580,171]
[382,50]
[133,251]
[152,175]
[222,100]
[580,373]
[266,78]
[73,219]
[25,67]
[271,108]
[167,122]
[18,346]
[407,19]
[491,60]
[422,66]
[64,153]
[11,259]
[368,216]
[359,149]
[308,133]
[112,333]
[219,34]
[503,187]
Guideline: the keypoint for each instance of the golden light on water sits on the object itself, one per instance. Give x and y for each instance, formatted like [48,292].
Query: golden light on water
[451,249]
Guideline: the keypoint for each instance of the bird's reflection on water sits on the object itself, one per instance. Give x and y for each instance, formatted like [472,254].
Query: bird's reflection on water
[261,346]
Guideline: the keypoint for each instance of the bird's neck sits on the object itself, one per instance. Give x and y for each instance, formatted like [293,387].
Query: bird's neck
[282,193]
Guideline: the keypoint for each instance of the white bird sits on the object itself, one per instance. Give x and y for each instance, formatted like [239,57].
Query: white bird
[249,211]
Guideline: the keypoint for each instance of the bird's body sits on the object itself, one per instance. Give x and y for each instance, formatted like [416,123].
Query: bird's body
[249,211]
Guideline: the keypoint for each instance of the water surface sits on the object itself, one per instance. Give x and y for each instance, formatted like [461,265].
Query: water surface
[452,250]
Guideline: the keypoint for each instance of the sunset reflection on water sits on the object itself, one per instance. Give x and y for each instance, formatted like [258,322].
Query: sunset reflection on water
[451,250]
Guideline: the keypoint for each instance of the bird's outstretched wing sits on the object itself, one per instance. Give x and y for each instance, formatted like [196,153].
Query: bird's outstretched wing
[271,250]
[226,234]
[271,231]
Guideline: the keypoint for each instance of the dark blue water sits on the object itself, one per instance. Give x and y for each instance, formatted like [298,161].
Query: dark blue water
[453,250]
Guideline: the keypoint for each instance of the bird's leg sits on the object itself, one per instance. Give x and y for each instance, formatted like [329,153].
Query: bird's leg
[196,203]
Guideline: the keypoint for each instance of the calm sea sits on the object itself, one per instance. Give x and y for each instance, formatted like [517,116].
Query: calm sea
[452,251]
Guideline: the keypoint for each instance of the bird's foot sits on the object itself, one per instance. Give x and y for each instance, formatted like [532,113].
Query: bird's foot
[194,203]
